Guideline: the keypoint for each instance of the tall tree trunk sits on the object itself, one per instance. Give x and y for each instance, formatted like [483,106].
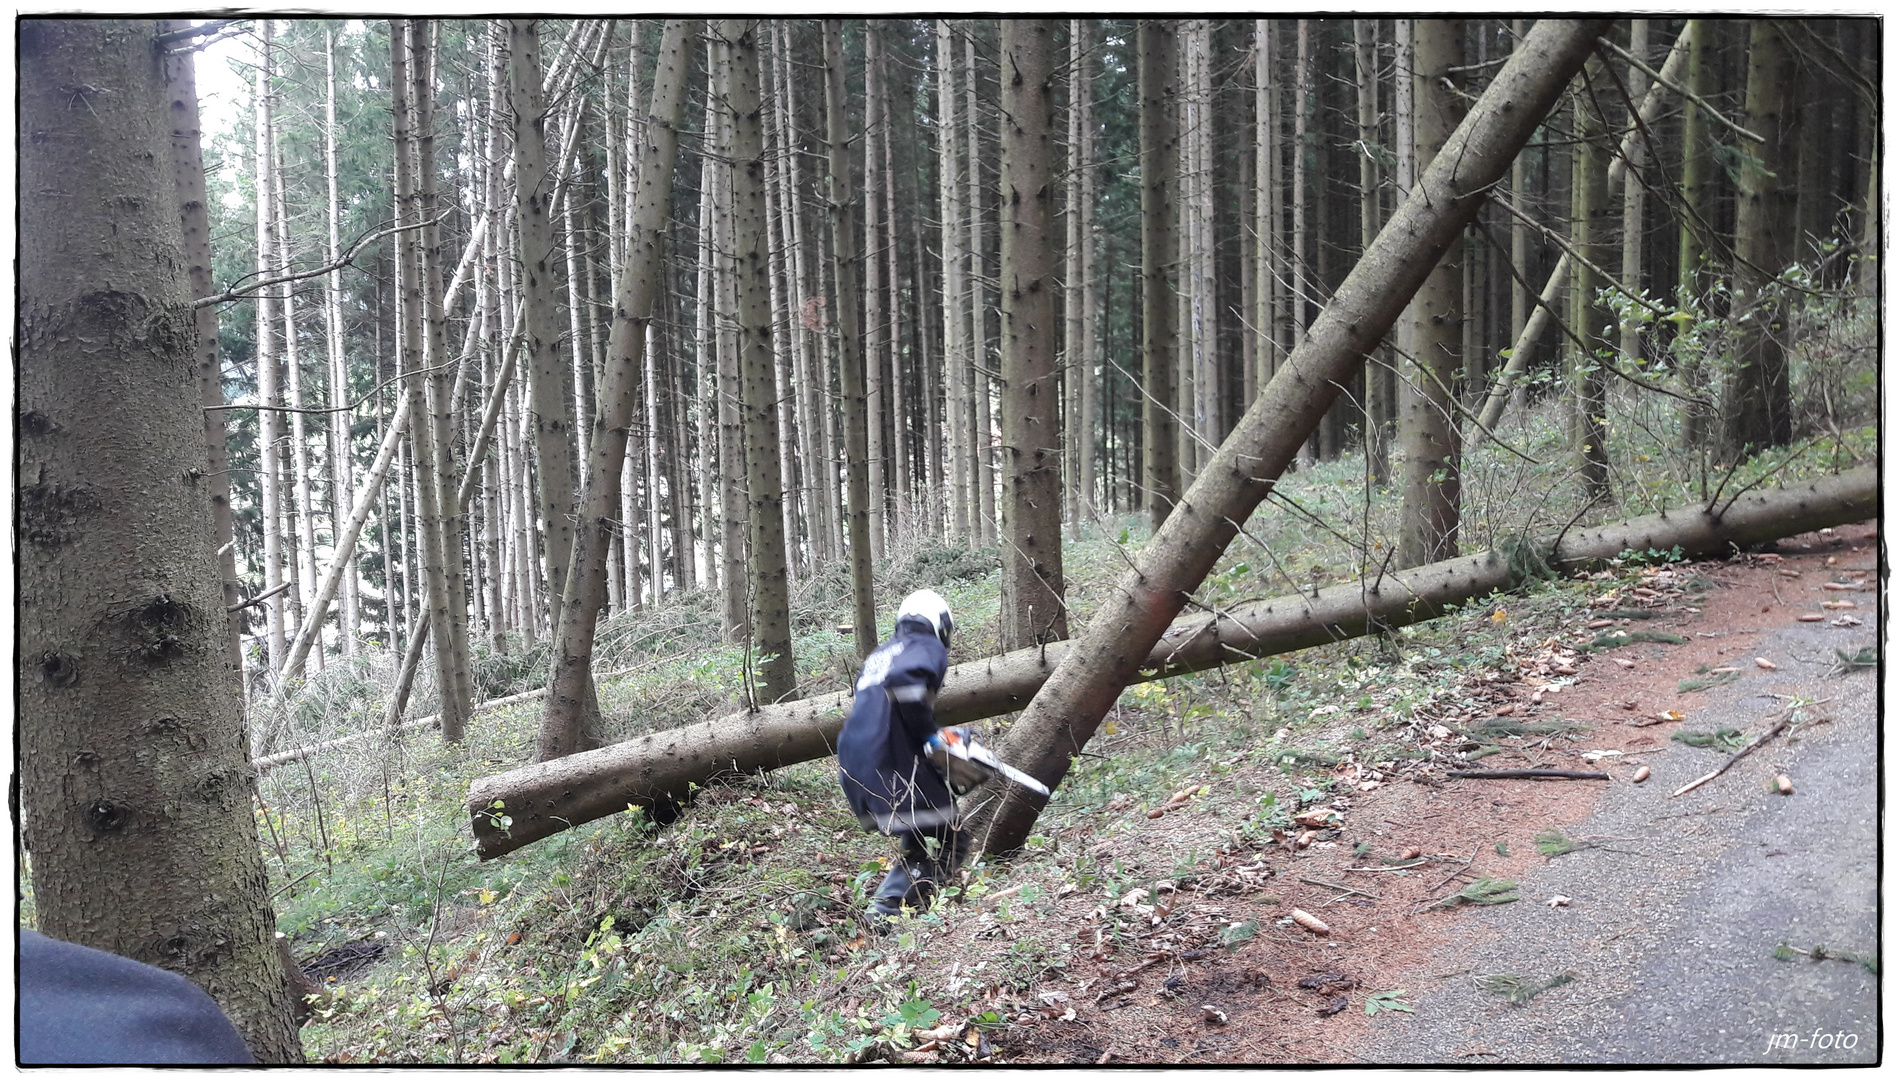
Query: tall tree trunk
[553,451]
[187,162]
[302,511]
[415,355]
[1432,454]
[955,339]
[849,266]
[342,476]
[770,597]
[451,631]
[571,718]
[1159,252]
[737,589]
[134,779]
[1131,619]
[1587,316]
[978,306]
[1698,170]
[1267,174]
[269,396]
[1379,373]
[1303,286]
[1079,295]
[1756,402]
[876,337]
[1633,206]
[1033,587]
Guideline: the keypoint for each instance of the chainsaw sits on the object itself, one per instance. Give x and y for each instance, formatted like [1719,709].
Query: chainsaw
[964,762]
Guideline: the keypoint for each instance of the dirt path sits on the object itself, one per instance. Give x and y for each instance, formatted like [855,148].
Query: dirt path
[1675,903]
[1671,931]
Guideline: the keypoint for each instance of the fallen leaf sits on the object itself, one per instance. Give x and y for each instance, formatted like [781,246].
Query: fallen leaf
[1625,663]
[1315,819]
[1847,620]
[1811,617]
[1212,1015]
[1559,901]
[1764,664]
[1409,853]
[1334,1007]
[1784,784]
[1642,773]
[1836,605]
[1506,710]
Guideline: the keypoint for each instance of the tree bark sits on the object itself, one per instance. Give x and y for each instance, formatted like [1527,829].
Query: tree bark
[1432,451]
[1159,252]
[269,420]
[1377,419]
[134,780]
[1132,618]
[553,425]
[770,596]
[955,338]
[1587,316]
[544,799]
[849,272]
[1756,402]
[571,718]
[187,159]
[1033,588]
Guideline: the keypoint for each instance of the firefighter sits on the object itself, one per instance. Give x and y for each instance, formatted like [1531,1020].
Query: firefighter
[890,786]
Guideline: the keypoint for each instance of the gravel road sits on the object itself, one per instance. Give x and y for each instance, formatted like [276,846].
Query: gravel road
[1673,922]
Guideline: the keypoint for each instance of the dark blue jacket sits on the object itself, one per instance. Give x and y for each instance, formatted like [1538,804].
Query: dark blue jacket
[83,1006]
[892,788]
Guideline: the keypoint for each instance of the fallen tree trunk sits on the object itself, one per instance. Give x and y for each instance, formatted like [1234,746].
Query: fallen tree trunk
[516,808]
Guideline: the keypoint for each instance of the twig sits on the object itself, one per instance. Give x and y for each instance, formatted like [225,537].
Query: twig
[259,598]
[1346,890]
[1683,92]
[1526,774]
[1734,759]
[1382,869]
[1459,872]
[346,259]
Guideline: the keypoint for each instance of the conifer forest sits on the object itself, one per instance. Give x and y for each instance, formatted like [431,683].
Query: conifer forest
[434,430]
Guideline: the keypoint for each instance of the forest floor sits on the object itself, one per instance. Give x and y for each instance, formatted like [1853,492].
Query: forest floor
[1652,940]
[1149,920]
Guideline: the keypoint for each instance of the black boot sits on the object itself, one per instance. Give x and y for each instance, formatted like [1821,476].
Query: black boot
[898,885]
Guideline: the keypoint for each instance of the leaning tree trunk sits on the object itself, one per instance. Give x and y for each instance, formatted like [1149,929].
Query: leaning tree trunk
[1035,607]
[513,809]
[770,594]
[1132,618]
[134,783]
[572,709]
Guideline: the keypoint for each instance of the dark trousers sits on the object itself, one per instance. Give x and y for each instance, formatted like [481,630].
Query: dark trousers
[915,876]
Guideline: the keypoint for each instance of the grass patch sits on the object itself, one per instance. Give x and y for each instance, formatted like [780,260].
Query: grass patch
[1725,739]
[1519,990]
[1484,891]
[1706,682]
[1554,844]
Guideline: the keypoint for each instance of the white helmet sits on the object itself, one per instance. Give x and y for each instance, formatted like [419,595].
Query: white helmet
[928,605]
